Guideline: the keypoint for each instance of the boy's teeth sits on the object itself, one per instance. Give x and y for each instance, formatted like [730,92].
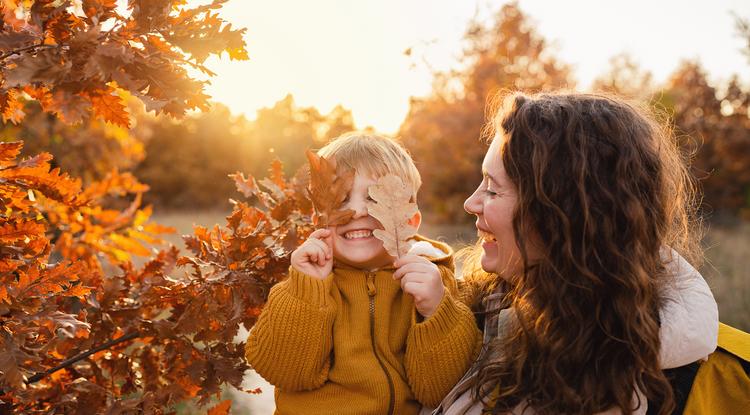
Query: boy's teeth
[358,234]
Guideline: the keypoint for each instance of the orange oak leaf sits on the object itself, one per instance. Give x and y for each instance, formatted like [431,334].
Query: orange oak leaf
[36,283]
[34,173]
[245,185]
[9,151]
[110,108]
[10,232]
[393,207]
[222,408]
[11,108]
[328,189]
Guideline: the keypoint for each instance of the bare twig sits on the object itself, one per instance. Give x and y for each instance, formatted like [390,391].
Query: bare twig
[743,30]
[74,359]
[26,49]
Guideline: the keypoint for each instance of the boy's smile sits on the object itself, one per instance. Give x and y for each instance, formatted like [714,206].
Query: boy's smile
[353,242]
[358,234]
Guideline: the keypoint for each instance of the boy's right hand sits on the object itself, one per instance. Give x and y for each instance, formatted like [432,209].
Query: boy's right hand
[315,256]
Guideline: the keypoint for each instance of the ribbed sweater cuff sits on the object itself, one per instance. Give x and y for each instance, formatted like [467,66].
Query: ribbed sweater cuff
[439,325]
[309,289]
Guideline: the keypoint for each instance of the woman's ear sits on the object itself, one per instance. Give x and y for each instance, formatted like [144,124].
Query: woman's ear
[416,220]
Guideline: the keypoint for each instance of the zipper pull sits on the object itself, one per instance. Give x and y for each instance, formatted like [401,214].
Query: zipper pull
[371,284]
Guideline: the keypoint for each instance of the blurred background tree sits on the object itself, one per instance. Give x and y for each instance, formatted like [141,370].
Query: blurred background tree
[443,130]
[186,162]
[713,125]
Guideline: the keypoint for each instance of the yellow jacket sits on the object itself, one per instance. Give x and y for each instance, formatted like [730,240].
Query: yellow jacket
[352,343]
[722,385]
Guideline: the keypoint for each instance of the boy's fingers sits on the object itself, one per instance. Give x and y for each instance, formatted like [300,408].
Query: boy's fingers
[312,256]
[414,278]
[322,259]
[325,236]
[322,246]
[411,288]
[320,233]
[411,268]
[417,291]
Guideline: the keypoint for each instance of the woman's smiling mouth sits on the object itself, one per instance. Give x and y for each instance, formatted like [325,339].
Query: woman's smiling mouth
[486,236]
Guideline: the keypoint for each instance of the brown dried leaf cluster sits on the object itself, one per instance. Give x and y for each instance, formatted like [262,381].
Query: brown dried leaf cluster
[393,207]
[327,190]
[67,286]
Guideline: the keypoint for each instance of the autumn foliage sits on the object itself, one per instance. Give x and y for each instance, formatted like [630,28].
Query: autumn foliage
[72,58]
[81,328]
[160,334]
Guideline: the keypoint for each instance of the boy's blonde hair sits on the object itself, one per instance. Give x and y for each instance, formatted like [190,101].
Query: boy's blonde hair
[375,155]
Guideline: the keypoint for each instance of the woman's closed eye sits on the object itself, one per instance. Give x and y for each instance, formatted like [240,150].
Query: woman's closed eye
[488,190]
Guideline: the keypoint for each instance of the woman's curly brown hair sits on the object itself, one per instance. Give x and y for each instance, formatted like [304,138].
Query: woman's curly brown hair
[602,191]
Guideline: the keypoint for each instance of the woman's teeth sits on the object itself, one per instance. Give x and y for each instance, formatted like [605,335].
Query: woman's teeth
[486,236]
[358,234]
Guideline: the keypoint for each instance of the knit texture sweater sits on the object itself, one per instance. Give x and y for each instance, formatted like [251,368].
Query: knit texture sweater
[353,343]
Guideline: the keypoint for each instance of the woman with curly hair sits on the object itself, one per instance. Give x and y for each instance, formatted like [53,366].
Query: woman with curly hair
[582,210]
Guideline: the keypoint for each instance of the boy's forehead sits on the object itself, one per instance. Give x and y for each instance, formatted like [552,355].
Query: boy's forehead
[369,173]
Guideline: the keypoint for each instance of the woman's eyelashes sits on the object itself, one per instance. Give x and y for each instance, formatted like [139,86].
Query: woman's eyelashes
[488,190]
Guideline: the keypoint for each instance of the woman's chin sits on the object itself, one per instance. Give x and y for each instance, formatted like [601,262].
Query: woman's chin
[488,260]
[488,266]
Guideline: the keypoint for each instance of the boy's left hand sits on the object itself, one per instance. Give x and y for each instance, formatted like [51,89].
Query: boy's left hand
[420,278]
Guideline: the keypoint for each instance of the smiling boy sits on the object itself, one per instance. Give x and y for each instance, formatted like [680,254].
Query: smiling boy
[353,332]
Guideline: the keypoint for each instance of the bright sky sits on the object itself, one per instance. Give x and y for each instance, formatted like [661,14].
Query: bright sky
[350,52]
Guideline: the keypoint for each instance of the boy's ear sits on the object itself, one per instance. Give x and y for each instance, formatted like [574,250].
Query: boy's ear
[416,220]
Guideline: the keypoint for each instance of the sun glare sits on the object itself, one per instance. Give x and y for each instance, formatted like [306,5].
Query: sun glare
[333,52]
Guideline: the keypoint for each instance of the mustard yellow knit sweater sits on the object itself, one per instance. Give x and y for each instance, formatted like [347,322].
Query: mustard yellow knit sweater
[352,343]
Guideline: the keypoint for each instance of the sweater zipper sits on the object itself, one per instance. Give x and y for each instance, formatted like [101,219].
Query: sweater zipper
[371,293]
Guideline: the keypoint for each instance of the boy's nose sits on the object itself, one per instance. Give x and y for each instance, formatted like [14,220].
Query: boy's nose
[360,209]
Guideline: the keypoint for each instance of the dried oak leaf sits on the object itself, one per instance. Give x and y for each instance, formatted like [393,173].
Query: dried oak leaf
[328,190]
[393,208]
[12,362]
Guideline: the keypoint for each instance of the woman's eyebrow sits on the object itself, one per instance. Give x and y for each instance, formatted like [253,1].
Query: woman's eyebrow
[487,175]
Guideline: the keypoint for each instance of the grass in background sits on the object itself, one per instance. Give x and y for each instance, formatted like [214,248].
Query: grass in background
[727,270]
[727,249]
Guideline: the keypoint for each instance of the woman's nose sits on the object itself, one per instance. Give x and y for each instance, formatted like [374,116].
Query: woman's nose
[472,204]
